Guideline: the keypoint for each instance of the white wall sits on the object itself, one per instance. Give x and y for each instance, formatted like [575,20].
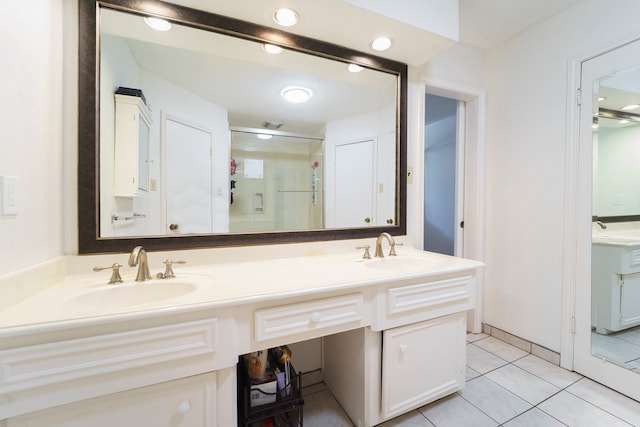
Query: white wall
[526,130]
[616,181]
[31,135]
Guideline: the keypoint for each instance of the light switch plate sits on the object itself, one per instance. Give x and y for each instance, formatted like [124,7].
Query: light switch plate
[9,195]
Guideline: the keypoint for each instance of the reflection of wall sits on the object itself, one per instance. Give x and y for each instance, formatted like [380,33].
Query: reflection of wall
[286,202]
[616,188]
[379,125]
[118,68]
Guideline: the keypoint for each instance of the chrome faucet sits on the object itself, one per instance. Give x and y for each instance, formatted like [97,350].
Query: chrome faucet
[138,257]
[392,245]
[601,224]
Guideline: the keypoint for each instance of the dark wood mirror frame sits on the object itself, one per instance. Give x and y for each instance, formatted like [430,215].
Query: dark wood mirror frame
[89,240]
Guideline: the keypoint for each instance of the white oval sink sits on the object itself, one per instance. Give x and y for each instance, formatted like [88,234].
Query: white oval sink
[129,294]
[401,263]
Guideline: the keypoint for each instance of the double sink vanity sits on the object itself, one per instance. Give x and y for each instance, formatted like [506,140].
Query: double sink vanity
[77,351]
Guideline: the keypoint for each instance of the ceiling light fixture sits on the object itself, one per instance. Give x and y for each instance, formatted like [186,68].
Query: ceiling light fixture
[354,68]
[381,44]
[285,17]
[158,24]
[272,48]
[630,107]
[296,94]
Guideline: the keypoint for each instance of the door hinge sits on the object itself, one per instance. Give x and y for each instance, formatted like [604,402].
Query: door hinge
[573,325]
[579,96]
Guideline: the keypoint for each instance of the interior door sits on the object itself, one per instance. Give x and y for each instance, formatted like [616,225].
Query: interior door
[188,176]
[354,184]
[594,75]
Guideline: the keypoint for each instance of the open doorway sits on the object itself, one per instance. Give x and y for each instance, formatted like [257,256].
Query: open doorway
[469,181]
[443,175]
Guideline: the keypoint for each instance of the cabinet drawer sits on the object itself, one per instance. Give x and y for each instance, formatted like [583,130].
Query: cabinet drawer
[426,300]
[308,316]
[38,365]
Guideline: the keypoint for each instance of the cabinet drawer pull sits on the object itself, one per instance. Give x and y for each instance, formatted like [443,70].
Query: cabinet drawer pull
[315,317]
[184,407]
[403,348]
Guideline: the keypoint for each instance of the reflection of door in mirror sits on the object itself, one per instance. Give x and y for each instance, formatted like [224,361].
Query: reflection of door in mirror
[189,181]
[608,303]
[353,185]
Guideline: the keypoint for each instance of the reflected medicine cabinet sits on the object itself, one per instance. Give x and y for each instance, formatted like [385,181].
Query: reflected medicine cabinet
[132,136]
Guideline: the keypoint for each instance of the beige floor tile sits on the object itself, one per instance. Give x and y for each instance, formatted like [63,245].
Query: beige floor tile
[495,401]
[454,411]
[534,418]
[608,400]
[547,371]
[481,360]
[523,384]
[575,412]
[501,349]
[412,419]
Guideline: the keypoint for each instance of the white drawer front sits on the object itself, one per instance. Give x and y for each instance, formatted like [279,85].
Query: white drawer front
[429,295]
[309,316]
[52,363]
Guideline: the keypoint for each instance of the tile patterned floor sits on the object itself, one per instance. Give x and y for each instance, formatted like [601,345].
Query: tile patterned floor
[505,386]
[622,348]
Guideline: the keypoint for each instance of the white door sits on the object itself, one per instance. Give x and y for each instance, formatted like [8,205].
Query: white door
[597,74]
[188,176]
[354,184]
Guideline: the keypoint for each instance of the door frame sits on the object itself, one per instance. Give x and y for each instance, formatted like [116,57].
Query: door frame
[577,245]
[474,177]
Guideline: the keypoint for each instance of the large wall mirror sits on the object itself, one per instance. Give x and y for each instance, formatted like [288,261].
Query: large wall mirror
[615,289]
[186,138]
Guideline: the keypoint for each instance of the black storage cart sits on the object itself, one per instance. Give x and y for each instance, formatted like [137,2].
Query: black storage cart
[284,411]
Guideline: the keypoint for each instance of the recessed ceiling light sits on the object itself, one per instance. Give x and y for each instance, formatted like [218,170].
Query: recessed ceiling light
[630,107]
[272,48]
[264,136]
[354,68]
[285,17]
[296,94]
[158,24]
[381,44]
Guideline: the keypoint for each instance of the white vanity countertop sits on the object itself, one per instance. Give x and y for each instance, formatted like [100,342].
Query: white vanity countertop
[612,236]
[221,284]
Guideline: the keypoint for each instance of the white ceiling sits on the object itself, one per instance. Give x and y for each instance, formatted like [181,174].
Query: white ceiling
[487,23]
[482,23]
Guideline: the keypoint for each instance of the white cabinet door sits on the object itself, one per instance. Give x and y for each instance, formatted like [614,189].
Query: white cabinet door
[422,362]
[187,402]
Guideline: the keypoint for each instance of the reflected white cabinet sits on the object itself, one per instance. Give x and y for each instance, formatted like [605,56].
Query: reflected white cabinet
[422,362]
[181,403]
[615,286]
[132,140]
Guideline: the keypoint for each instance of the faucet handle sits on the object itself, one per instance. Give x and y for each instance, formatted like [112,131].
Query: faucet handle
[392,248]
[168,269]
[115,272]
[366,254]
